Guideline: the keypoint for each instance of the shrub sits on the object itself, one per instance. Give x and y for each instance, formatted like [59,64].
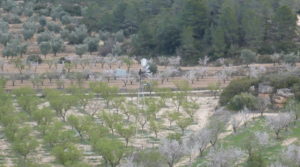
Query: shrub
[247,56]
[238,102]
[34,59]
[72,9]
[264,59]
[63,59]
[291,58]
[285,80]
[236,87]
[153,68]
[12,19]
[53,27]
[296,90]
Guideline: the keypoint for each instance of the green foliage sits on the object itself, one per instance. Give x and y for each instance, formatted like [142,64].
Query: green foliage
[112,150]
[149,158]
[27,99]
[106,92]
[183,123]
[285,80]
[60,102]
[239,102]
[285,23]
[34,59]
[43,117]
[24,143]
[67,154]
[44,37]
[78,36]
[153,68]
[57,45]
[236,87]
[248,56]
[81,49]
[92,43]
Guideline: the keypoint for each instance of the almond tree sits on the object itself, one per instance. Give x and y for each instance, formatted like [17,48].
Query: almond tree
[112,150]
[155,126]
[278,122]
[183,123]
[202,140]
[127,132]
[292,155]
[224,157]
[235,123]
[171,151]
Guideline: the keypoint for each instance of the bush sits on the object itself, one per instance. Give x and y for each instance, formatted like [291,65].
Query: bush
[296,90]
[63,59]
[34,59]
[247,56]
[53,27]
[12,19]
[238,102]
[264,59]
[236,87]
[72,9]
[153,68]
[279,81]
[291,58]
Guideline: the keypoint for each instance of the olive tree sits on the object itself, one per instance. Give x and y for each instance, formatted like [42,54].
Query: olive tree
[45,48]
[81,49]
[5,37]
[92,43]
[57,45]
[78,36]
[29,29]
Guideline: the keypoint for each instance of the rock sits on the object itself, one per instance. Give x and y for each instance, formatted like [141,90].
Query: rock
[265,89]
[279,99]
[285,92]
[252,89]
[266,97]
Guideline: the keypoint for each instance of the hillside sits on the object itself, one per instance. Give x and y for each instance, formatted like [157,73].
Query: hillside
[149,83]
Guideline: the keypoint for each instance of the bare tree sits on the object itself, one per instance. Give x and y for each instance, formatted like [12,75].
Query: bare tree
[189,145]
[174,61]
[166,74]
[292,155]
[256,72]
[224,157]
[262,138]
[202,139]
[277,164]
[235,123]
[172,151]
[203,61]
[217,125]
[190,76]
[201,72]
[162,60]
[278,122]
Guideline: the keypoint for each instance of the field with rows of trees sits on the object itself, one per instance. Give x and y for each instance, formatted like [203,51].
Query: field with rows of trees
[149,83]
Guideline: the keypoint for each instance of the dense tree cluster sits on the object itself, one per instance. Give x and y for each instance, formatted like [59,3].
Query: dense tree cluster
[190,29]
